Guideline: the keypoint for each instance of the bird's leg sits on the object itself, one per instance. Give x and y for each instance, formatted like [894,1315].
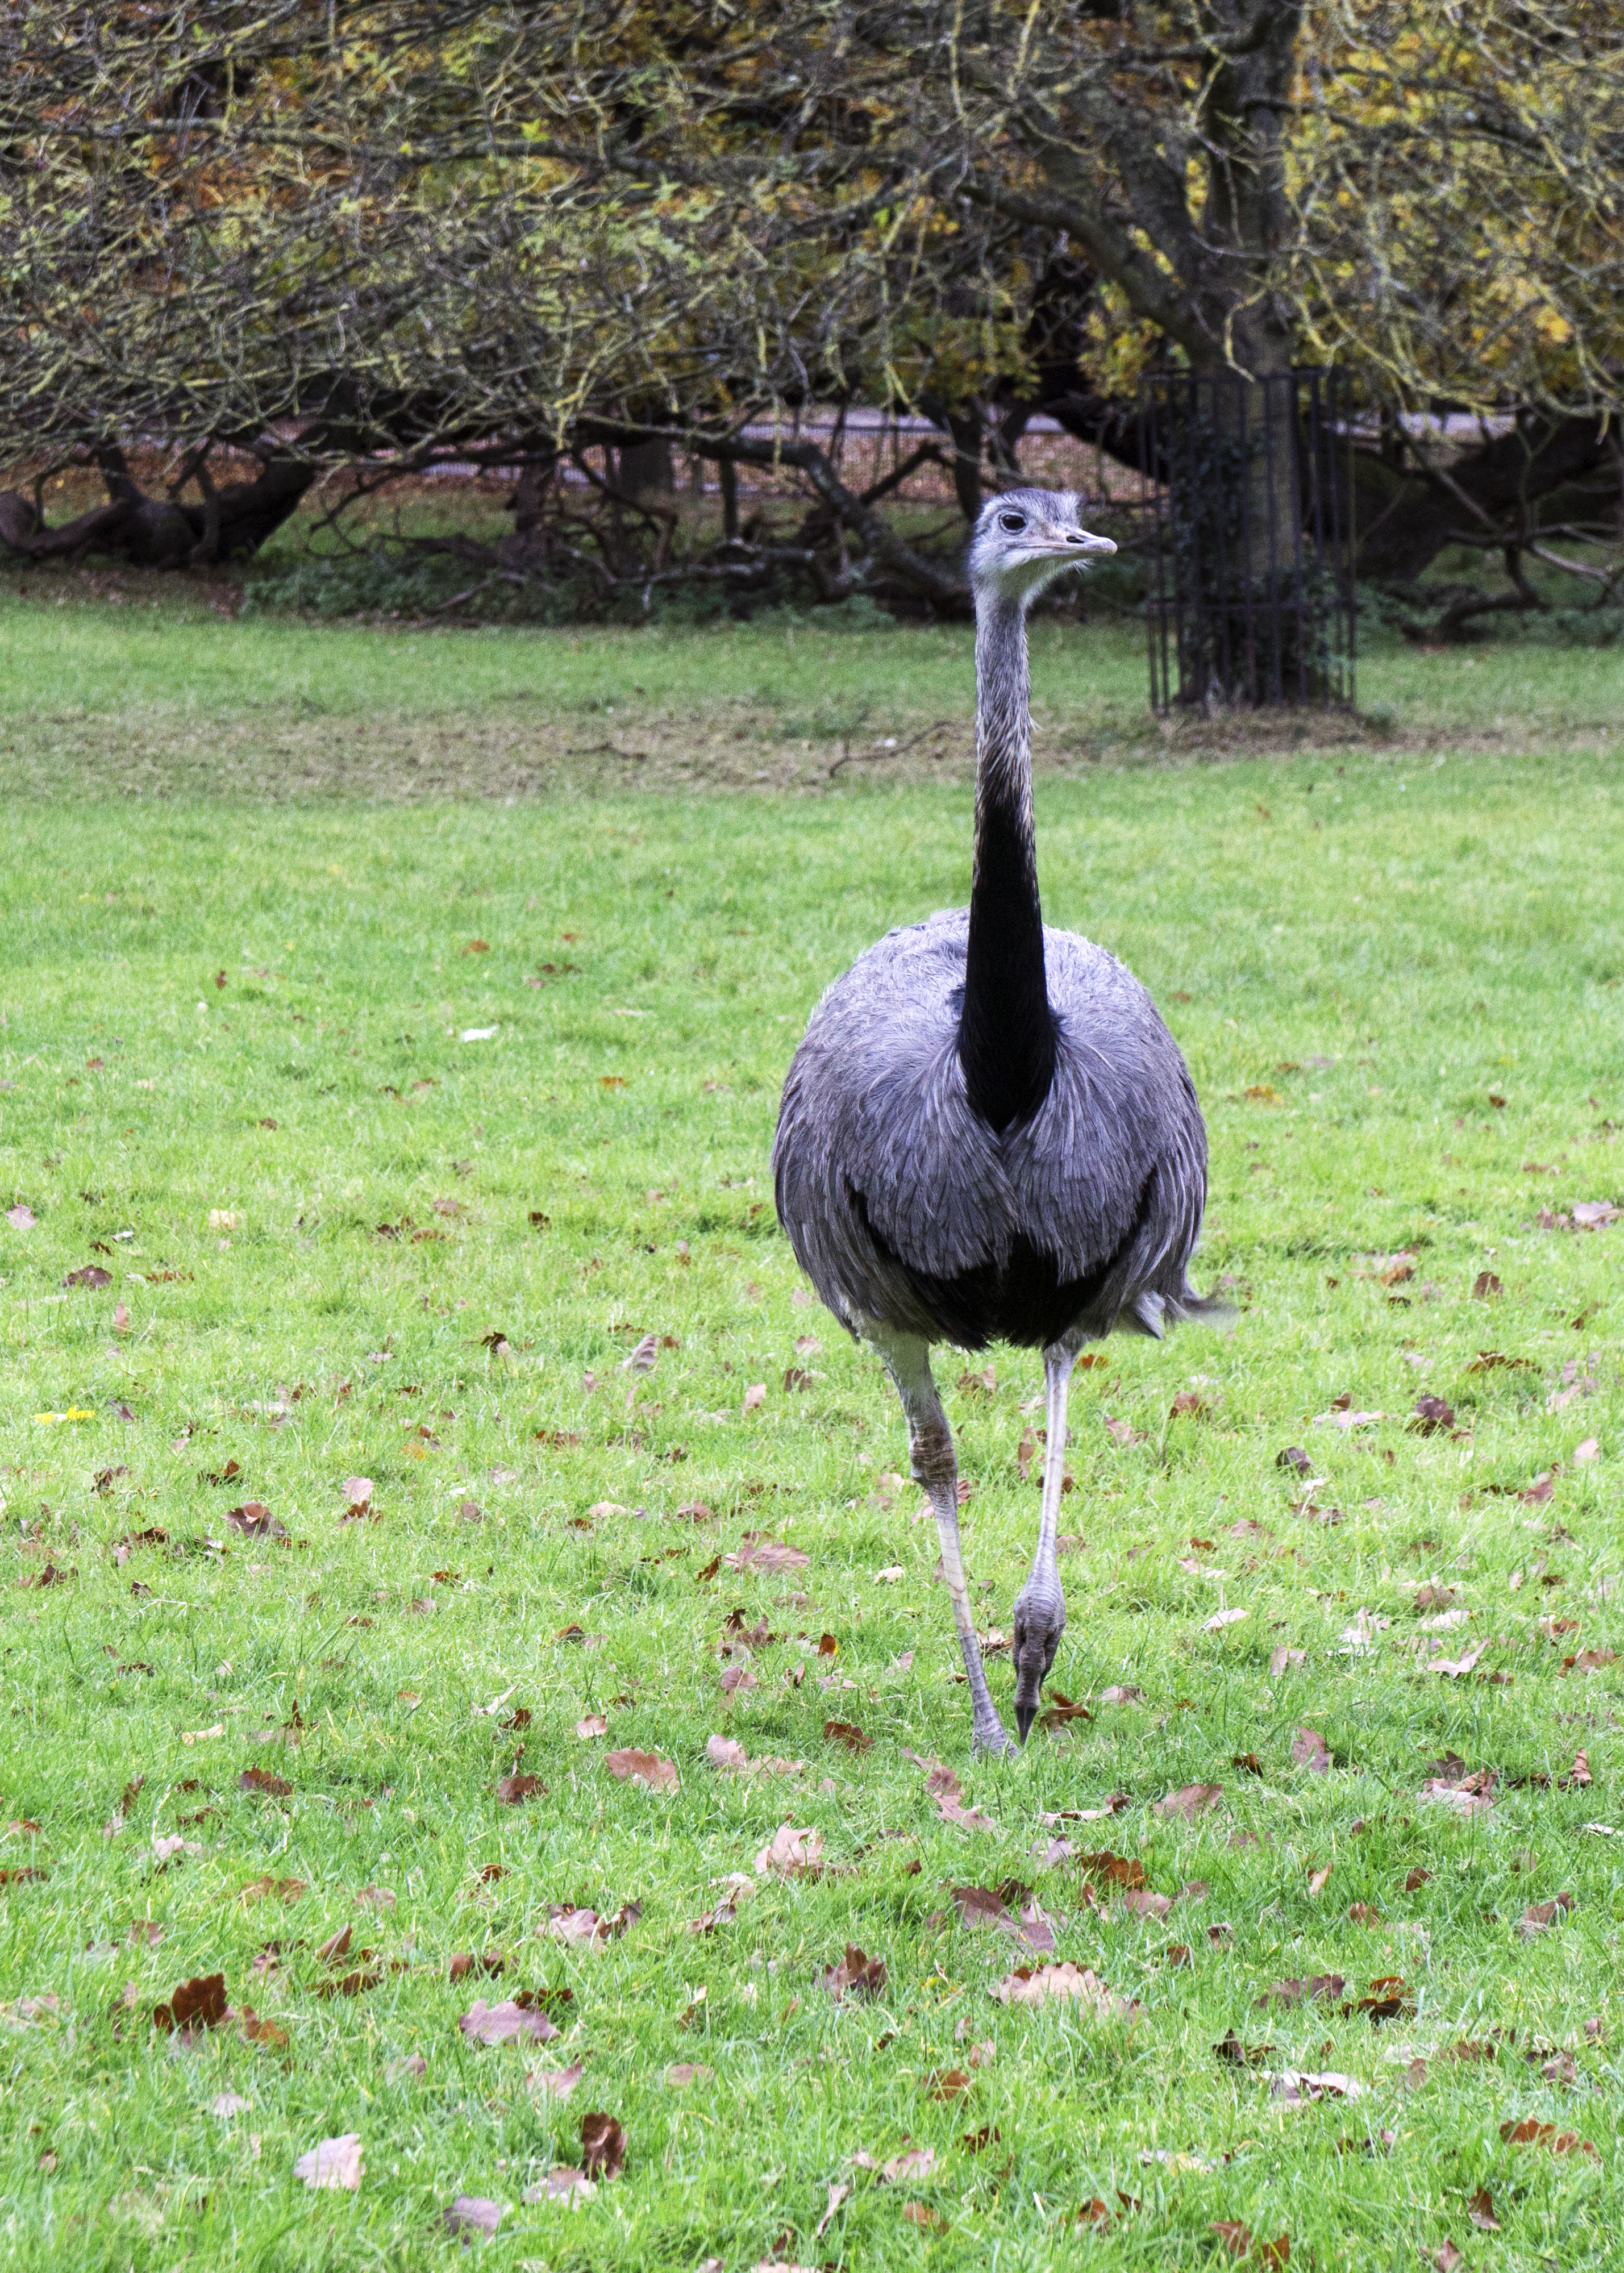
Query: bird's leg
[1040,1618]
[931,1457]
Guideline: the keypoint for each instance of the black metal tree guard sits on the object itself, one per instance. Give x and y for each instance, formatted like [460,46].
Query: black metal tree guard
[1246,484]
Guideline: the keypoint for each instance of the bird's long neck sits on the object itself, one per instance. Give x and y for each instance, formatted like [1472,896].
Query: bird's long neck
[1006,1029]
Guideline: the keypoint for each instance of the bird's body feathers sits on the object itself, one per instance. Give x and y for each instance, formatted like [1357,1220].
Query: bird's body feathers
[906,1209]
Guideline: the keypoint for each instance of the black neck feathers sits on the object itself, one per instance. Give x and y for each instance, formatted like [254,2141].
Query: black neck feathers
[1006,1028]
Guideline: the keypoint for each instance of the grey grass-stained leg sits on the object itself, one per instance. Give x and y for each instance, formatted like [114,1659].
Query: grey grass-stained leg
[930,1445]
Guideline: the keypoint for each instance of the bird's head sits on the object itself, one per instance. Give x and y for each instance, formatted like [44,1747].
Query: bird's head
[1023,539]
[1039,1622]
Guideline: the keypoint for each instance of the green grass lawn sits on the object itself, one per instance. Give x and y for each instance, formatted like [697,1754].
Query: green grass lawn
[394,1128]
[115,684]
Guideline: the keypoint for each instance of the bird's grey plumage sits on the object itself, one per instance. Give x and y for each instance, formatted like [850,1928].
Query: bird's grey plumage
[987,1131]
[884,1174]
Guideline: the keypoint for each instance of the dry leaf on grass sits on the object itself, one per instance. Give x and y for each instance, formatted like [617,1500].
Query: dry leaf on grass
[553,2083]
[198,2004]
[791,1853]
[855,1976]
[1222,1619]
[1310,1751]
[1532,2133]
[569,1922]
[592,1724]
[756,1552]
[647,1768]
[921,2215]
[334,2163]
[847,1733]
[263,1782]
[1234,2053]
[1298,2088]
[1539,1917]
[1140,1903]
[1192,1800]
[1447,2257]
[1239,2242]
[1318,1988]
[474,2214]
[681,2074]
[563,2185]
[944,1788]
[602,2146]
[912,2164]
[512,1790]
[1482,2211]
[509,2022]
[1037,1985]
[837,2195]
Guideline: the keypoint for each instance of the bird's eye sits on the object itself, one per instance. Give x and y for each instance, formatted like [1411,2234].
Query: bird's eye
[1013,522]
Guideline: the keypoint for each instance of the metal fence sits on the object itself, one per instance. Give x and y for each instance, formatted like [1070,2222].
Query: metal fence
[1249,570]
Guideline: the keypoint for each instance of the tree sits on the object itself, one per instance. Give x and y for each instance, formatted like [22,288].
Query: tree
[512,230]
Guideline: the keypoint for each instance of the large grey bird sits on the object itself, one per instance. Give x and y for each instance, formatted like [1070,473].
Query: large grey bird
[987,1133]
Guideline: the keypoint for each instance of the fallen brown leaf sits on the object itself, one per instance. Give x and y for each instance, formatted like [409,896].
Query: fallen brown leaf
[1319,1987]
[334,2163]
[1482,2211]
[1192,1800]
[1140,1903]
[837,2196]
[855,1975]
[1236,2055]
[647,1768]
[512,1790]
[920,2214]
[603,2145]
[262,1781]
[847,1733]
[1538,1917]
[563,2185]
[198,2004]
[1298,2088]
[473,2213]
[508,2023]
[1036,1984]
[756,1552]
[790,1853]
[1310,1751]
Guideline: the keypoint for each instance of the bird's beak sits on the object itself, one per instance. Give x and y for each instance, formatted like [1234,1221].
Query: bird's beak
[1025,1714]
[1084,545]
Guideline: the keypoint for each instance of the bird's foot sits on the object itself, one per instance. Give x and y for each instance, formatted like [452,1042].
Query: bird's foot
[988,1738]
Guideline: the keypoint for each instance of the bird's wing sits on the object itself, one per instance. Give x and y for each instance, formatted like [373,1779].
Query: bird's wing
[876,1133]
[1113,1164]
